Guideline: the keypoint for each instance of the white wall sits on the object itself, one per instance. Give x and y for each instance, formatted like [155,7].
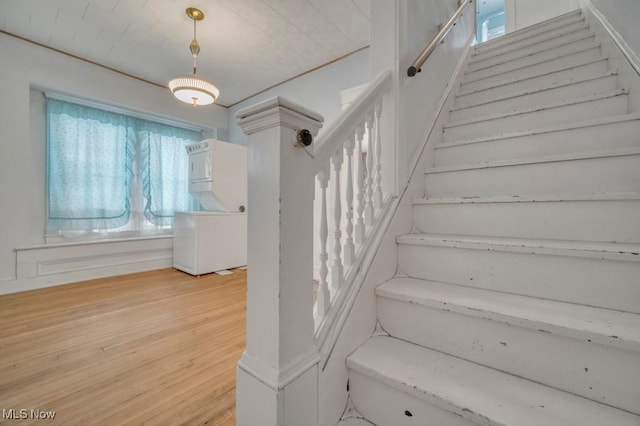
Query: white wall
[319,91]
[624,16]
[523,13]
[416,98]
[422,93]
[22,156]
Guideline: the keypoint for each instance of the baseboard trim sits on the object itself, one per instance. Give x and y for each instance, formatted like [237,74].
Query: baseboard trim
[624,47]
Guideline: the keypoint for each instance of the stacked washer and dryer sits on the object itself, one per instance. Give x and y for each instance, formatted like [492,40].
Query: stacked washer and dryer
[215,239]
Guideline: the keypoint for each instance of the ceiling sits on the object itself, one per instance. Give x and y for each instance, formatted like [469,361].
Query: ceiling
[247,45]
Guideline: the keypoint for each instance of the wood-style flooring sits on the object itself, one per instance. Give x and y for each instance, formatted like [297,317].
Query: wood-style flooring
[154,348]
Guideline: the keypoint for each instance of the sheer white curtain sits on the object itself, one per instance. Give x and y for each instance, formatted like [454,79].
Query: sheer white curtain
[102,167]
[89,157]
[164,170]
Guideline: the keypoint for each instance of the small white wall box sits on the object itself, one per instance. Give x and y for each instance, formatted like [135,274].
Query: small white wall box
[216,239]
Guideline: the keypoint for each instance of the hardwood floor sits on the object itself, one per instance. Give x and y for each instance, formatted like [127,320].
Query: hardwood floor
[155,348]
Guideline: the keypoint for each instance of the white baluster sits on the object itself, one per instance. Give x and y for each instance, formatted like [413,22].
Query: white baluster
[349,247]
[378,198]
[324,298]
[369,213]
[359,229]
[336,268]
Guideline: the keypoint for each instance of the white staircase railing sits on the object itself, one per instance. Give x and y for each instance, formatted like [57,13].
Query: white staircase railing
[349,167]
[288,332]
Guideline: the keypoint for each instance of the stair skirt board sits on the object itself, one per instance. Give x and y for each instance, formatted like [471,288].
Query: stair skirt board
[530,268]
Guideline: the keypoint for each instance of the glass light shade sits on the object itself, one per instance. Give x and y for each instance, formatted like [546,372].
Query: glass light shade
[192,90]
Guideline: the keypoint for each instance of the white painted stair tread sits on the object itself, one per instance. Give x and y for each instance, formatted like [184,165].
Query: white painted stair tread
[542,36]
[556,128]
[612,251]
[597,325]
[561,103]
[532,90]
[522,76]
[592,48]
[474,392]
[620,152]
[545,25]
[616,196]
[537,30]
[526,52]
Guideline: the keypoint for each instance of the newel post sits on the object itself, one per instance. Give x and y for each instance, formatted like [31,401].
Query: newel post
[277,376]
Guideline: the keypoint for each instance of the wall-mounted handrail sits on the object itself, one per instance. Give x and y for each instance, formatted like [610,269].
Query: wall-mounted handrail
[420,60]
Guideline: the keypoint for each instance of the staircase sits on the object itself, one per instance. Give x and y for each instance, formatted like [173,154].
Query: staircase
[517,300]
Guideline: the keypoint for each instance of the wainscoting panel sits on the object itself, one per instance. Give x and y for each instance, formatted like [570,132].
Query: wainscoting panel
[55,264]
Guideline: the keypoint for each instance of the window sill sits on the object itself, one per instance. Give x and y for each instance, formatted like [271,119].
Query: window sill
[94,242]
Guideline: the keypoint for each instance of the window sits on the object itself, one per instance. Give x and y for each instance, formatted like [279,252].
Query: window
[490,19]
[109,174]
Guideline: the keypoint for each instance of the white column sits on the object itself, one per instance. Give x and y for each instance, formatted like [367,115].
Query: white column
[360,231]
[324,296]
[336,268]
[349,247]
[369,214]
[278,372]
[378,195]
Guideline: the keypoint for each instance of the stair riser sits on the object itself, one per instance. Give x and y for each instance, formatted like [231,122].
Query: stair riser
[575,59]
[593,138]
[577,90]
[385,406]
[535,59]
[578,177]
[467,96]
[530,41]
[508,91]
[603,221]
[532,49]
[562,278]
[526,34]
[604,374]
[544,117]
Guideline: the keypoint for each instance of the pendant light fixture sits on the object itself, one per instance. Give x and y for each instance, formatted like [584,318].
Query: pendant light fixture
[190,88]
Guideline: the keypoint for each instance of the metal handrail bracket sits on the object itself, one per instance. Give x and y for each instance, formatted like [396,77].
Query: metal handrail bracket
[420,60]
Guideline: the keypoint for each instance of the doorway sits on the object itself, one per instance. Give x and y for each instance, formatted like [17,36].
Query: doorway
[490,19]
